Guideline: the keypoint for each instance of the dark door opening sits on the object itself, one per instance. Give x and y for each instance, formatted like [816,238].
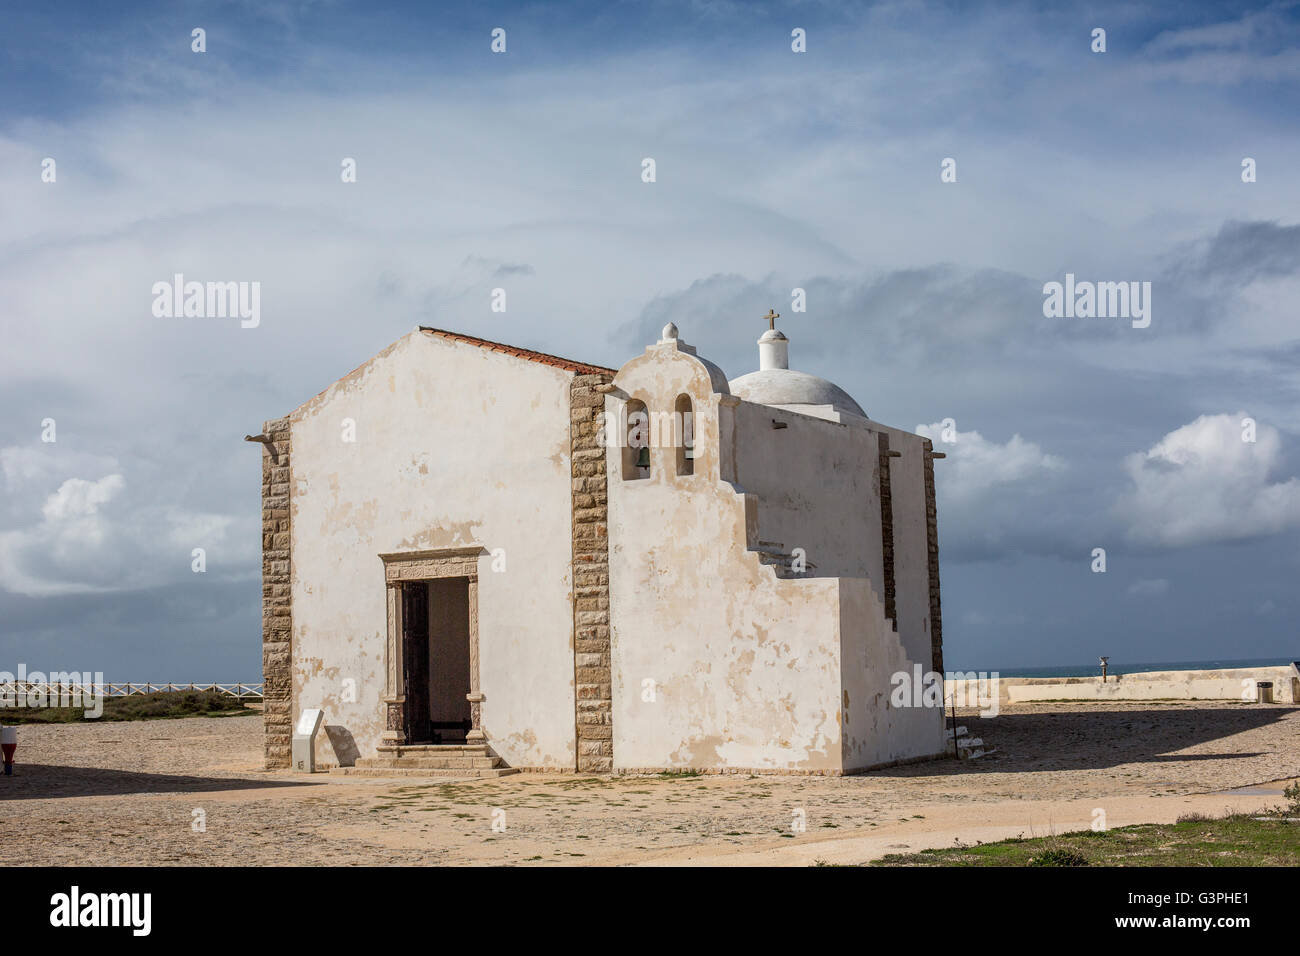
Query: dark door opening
[415,644]
[436,633]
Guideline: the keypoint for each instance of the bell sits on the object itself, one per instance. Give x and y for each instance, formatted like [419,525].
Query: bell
[643,457]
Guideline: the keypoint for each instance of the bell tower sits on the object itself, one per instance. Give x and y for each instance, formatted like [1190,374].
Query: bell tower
[773,346]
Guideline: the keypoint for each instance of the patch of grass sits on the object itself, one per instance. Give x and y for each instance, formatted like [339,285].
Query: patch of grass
[1233,840]
[675,774]
[1059,856]
[160,705]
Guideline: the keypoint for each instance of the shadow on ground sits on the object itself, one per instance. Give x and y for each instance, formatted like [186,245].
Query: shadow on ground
[34,781]
[1092,739]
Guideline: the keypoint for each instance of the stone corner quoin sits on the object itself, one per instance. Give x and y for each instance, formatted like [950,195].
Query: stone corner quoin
[277,611]
[591,643]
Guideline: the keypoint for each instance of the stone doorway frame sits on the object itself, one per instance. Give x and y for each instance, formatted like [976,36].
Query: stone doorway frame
[400,568]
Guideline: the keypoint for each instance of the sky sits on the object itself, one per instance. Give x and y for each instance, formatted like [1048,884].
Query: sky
[775,170]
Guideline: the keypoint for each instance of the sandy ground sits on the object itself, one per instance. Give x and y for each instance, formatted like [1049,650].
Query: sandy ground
[133,793]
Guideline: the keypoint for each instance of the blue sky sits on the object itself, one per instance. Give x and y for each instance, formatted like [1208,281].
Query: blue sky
[775,170]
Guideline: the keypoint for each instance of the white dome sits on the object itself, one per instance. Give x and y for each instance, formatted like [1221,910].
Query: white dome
[783,386]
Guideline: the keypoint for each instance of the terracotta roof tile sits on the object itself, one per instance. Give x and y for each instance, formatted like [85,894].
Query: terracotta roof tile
[566,364]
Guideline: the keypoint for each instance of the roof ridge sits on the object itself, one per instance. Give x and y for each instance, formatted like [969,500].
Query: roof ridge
[555,360]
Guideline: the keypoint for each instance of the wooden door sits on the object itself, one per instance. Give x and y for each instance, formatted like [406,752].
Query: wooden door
[415,643]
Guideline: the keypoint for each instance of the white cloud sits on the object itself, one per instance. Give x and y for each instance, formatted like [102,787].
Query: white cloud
[788,185]
[997,499]
[1229,52]
[976,466]
[91,535]
[77,497]
[1202,483]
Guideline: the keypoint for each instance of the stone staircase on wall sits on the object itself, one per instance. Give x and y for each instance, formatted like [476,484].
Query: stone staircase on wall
[774,555]
[968,747]
[429,760]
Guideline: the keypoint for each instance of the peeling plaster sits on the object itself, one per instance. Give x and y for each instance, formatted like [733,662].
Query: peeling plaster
[443,462]
[684,565]
[457,472]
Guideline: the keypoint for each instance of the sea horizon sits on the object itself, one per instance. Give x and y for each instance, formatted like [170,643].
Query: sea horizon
[1113,668]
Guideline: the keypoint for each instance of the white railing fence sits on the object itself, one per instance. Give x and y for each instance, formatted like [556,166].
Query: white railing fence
[11,689]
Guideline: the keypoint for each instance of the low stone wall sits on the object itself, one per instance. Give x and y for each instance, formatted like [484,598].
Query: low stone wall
[1227,684]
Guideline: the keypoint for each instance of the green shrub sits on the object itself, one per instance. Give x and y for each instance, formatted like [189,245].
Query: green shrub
[1059,856]
[156,706]
[1292,794]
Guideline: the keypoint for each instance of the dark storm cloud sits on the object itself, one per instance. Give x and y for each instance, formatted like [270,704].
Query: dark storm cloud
[776,171]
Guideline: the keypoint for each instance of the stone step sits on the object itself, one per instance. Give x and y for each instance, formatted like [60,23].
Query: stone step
[479,750]
[466,762]
[420,772]
[778,561]
[968,747]
[782,562]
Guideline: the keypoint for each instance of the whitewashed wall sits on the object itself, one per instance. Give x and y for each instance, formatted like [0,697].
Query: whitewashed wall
[1237,684]
[456,445]
[911,546]
[751,671]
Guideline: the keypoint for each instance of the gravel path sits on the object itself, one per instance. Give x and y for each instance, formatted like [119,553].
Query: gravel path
[136,793]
